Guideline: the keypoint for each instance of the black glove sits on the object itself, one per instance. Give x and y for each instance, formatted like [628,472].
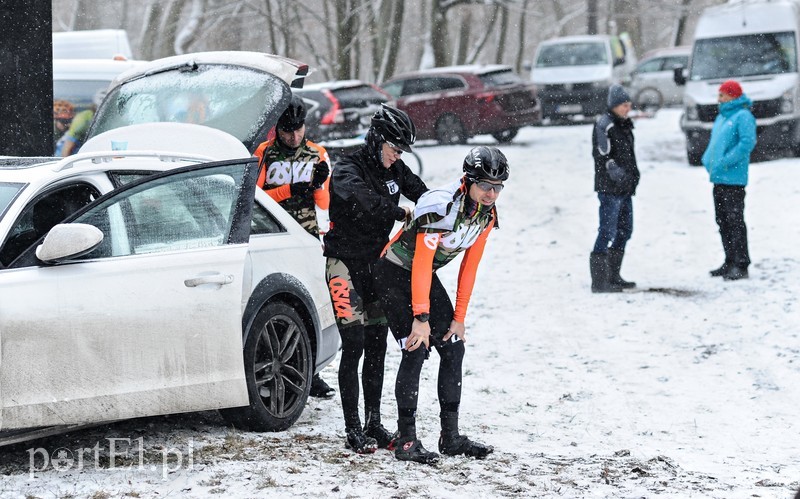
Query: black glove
[615,172]
[302,189]
[321,172]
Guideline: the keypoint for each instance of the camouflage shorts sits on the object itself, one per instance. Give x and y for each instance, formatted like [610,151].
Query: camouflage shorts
[348,286]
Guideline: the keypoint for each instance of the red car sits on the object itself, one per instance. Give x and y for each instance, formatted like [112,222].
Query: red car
[452,104]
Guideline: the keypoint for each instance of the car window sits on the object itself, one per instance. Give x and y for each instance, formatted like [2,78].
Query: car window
[193,209]
[572,54]
[236,100]
[43,214]
[500,78]
[419,86]
[124,178]
[359,96]
[8,192]
[80,93]
[676,61]
[263,222]
[650,66]
[395,88]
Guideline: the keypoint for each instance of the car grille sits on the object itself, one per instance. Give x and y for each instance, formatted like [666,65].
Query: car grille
[517,101]
[761,109]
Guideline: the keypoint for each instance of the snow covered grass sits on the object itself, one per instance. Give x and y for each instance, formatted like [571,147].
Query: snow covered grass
[686,387]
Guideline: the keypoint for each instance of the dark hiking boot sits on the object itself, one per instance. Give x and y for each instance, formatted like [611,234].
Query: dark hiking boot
[382,436]
[456,445]
[614,264]
[320,389]
[360,443]
[735,273]
[601,280]
[720,271]
[411,449]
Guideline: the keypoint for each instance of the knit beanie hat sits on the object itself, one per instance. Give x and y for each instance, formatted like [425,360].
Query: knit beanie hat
[731,88]
[617,95]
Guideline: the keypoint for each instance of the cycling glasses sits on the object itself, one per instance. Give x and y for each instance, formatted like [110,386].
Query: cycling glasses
[487,186]
[395,148]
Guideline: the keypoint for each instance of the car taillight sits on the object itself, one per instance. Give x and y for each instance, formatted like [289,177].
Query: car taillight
[487,97]
[334,115]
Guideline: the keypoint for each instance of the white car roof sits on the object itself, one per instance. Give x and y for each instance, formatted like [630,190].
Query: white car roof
[91,69]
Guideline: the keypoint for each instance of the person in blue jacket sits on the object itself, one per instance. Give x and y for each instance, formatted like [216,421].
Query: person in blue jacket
[727,160]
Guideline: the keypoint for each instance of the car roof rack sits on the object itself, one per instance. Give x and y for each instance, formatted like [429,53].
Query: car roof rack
[108,156]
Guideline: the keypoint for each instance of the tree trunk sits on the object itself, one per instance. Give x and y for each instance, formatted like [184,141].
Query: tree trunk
[345,28]
[680,28]
[502,10]
[273,44]
[476,51]
[591,17]
[168,33]
[439,37]
[192,29]
[521,37]
[80,18]
[628,20]
[393,44]
[463,36]
[152,16]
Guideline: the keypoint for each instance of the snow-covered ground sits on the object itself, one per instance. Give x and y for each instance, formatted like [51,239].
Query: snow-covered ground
[687,387]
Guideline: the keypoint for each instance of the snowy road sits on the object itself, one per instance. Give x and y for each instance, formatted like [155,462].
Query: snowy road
[686,388]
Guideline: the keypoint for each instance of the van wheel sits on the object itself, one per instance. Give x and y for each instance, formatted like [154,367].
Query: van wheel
[649,100]
[278,369]
[506,135]
[450,130]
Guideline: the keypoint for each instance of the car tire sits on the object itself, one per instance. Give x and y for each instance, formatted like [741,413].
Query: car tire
[278,367]
[450,130]
[649,99]
[506,135]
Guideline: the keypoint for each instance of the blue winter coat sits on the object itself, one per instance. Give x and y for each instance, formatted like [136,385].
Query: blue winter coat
[733,137]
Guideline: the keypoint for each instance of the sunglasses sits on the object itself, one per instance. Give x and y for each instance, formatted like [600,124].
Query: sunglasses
[488,186]
[395,149]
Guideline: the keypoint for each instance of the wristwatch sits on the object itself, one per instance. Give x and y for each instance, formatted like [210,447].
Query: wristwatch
[422,317]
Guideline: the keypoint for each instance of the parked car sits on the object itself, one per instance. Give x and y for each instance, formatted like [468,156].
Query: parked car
[572,74]
[452,104]
[652,82]
[242,93]
[340,109]
[78,80]
[157,280]
[91,44]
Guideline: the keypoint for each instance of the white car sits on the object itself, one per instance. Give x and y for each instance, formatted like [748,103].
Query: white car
[152,281]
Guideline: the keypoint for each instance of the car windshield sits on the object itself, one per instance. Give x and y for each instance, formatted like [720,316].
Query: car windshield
[8,191]
[359,96]
[500,78]
[748,55]
[235,100]
[572,54]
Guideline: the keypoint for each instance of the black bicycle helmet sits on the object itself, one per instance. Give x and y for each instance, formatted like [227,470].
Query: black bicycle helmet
[485,163]
[395,127]
[294,116]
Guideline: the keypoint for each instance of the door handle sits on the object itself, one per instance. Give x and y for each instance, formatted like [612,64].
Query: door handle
[220,279]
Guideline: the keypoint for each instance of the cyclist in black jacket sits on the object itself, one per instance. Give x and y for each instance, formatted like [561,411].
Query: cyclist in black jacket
[365,194]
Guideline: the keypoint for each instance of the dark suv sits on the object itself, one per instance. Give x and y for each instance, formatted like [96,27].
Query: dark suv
[452,104]
[343,108]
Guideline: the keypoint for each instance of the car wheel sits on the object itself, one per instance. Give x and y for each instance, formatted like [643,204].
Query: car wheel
[649,100]
[506,135]
[450,130]
[278,369]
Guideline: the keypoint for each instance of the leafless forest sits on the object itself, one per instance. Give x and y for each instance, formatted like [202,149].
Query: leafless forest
[374,39]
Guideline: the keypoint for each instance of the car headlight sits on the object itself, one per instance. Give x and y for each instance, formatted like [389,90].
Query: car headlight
[787,102]
[691,110]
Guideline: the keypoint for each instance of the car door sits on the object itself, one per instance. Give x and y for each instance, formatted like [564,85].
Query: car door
[149,322]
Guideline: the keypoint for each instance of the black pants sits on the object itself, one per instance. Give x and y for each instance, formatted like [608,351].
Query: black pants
[394,284]
[729,211]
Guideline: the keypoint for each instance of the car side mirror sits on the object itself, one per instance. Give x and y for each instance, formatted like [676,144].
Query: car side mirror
[619,60]
[67,241]
[678,76]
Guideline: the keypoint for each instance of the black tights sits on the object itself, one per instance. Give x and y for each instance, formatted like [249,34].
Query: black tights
[371,342]
[449,380]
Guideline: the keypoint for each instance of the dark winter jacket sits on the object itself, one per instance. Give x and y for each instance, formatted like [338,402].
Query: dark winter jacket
[615,170]
[364,205]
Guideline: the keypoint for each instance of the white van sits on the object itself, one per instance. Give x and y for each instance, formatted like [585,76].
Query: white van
[91,44]
[572,73]
[755,43]
[77,80]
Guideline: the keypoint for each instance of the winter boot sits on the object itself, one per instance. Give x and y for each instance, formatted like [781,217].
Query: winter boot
[453,444]
[721,271]
[736,272]
[598,265]
[358,442]
[320,389]
[614,264]
[407,447]
[373,428]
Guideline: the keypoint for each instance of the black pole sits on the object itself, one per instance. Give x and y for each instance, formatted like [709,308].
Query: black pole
[26,78]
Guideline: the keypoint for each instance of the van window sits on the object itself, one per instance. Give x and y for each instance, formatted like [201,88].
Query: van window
[747,55]
[500,78]
[572,54]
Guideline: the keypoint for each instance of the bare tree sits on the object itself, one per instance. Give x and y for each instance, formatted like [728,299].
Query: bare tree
[680,26]
[152,20]
[518,63]
[191,30]
[346,28]
[502,10]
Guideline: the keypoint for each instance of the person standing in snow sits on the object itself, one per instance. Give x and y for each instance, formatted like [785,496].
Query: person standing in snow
[294,172]
[616,176]
[365,196]
[447,221]
[727,160]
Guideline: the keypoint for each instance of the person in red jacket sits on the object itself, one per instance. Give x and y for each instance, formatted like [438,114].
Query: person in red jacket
[294,172]
[447,221]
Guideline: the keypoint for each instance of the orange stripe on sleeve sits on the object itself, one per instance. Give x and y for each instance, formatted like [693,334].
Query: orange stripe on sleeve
[281,193]
[322,196]
[466,274]
[422,271]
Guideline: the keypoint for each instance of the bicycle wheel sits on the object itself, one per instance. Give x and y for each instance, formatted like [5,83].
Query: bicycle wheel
[414,162]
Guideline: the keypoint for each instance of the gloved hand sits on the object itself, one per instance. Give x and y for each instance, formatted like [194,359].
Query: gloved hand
[302,189]
[615,172]
[321,172]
